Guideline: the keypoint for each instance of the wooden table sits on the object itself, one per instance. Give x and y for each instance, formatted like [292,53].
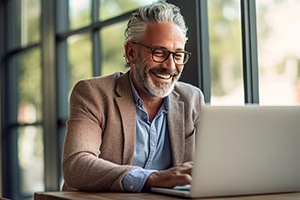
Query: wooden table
[148,196]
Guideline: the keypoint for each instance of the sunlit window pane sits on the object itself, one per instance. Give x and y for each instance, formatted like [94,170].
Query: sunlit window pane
[30,21]
[112,8]
[278,28]
[112,49]
[30,92]
[79,13]
[225,52]
[31,159]
[80,58]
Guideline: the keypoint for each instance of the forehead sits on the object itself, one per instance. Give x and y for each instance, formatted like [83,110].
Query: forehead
[164,34]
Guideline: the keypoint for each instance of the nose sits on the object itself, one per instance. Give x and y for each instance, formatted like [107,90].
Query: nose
[170,64]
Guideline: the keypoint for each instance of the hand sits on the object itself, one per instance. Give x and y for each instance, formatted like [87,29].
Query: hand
[179,175]
[187,164]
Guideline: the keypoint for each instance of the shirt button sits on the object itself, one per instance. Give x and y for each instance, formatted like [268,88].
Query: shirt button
[131,186]
[140,103]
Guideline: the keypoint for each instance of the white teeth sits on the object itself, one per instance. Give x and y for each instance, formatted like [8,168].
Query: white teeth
[164,76]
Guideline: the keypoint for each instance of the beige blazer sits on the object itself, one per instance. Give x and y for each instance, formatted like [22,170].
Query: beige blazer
[99,144]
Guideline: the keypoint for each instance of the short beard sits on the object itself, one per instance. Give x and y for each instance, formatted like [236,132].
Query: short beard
[160,90]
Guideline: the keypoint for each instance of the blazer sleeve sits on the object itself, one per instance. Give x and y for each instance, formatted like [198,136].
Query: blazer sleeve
[83,167]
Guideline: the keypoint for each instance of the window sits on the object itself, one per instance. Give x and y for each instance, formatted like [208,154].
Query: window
[79,13]
[79,58]
[225,52]
[85,38]
[112,8]
[22,110]
[112,49]
[29,132]
[279,52]
[81,51]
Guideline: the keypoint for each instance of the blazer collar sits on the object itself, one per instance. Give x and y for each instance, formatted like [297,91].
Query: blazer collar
[126,105]
[176,120]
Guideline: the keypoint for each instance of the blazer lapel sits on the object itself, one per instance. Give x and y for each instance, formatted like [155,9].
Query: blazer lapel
[176,128]
[126,105]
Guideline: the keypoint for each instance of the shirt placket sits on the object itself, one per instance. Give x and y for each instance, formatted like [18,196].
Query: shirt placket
[152,145]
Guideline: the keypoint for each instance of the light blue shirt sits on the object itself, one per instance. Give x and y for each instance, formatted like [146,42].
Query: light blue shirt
[152,150]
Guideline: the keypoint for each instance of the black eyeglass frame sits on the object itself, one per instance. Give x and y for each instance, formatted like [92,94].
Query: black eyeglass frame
[153,49]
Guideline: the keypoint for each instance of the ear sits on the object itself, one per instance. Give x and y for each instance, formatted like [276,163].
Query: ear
[129,52]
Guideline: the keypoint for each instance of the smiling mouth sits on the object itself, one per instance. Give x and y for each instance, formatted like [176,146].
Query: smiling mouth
[163,74]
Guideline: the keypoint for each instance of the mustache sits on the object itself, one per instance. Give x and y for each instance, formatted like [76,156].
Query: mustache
[164,71]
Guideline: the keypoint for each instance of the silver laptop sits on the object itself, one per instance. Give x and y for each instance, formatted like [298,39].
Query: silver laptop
[245,150]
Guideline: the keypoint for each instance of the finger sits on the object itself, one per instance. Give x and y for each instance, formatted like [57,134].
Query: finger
[185,170]
[182,179]
[182,169]
[187,164]
[174,180]
[169,178]
[179,173]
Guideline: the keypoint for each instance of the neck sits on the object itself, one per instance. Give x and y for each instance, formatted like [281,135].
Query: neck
[152,107]
[151,103]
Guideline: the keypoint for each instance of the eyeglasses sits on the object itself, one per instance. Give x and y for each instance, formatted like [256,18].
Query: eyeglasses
[160,54]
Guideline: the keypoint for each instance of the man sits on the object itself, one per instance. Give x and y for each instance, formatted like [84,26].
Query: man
[133,131]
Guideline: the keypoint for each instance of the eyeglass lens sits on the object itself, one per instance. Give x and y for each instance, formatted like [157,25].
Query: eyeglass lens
[161,55]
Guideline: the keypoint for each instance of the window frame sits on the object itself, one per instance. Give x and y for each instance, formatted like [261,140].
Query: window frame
[54,53]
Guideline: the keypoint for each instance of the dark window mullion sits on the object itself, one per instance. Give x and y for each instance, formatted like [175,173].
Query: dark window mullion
[249,41]
[204,59]
[19,50]
[16,125]
[49,96]
[96,52]
[62,68]
[1,90]
[95,26]
[11,175]
[62,75]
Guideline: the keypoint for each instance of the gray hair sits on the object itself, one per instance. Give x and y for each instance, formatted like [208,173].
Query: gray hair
[156,12]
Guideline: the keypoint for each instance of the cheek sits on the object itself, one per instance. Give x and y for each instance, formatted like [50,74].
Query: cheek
[180,68]
[146,63]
